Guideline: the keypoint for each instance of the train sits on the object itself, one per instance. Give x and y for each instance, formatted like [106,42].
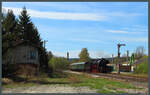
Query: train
[93,66]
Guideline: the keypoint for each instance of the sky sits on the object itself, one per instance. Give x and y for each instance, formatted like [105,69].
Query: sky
[97,26]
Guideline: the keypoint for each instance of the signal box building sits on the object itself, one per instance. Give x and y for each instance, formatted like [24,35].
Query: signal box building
[24,55]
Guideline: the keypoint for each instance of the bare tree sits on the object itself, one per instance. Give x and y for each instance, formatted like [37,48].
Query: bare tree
[139,52]
[124,55]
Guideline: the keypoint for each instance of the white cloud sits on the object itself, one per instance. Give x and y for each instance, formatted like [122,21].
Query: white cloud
[87,40]
[99,54]
[59,54]
[117,31]
[60,15]
[124,14]
[72,54]
[133,39]
[129,30]
[75,54]
[98,16]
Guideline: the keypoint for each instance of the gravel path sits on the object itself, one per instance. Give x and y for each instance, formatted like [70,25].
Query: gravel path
[49,89]
[61,89]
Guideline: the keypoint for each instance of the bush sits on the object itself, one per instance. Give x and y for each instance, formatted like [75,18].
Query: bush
[143,67]
[6,81]
[9,70]
[58,63]
[15,70]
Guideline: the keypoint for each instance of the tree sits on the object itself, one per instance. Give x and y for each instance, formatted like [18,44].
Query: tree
[25,26]
[139,52]
[9,30]
[74,61]
[9,35]
[27,29]
[84,55]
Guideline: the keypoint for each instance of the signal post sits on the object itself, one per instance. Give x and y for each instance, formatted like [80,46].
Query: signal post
[118,65]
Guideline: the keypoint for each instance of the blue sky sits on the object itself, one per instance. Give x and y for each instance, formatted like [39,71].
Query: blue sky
[98,26]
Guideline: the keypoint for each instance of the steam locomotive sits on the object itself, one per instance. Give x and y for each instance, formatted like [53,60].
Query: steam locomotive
[96,66]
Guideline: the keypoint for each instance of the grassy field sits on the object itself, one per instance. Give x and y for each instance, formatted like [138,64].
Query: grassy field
[102,85]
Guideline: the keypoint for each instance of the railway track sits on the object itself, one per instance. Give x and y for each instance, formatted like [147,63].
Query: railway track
[119,77]
[123,77]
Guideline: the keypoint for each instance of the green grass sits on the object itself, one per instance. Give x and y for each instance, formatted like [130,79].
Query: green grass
[143,67]
[102,85]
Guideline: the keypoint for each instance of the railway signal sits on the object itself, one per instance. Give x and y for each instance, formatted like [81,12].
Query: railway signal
[118,65]
[127,56]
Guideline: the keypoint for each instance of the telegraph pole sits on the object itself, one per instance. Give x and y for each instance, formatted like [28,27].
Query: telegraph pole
[44,48]
[118,65]
[45,43]
[42,54]
[112,59]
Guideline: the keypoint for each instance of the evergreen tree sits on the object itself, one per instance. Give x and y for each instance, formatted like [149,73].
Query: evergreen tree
[9,30]
[25,25]
[27,29]
[84,55]
[30,33]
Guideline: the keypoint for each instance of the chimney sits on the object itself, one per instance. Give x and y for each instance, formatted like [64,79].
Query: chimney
[67,55]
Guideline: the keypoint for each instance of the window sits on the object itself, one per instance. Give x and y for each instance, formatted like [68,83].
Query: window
[32,55]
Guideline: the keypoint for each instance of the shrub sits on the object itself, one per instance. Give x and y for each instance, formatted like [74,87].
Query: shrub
[143,67]
[58,63]
[9,70]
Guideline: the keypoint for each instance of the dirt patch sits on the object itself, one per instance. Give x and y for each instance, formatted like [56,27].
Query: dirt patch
[143,91]
[49,89]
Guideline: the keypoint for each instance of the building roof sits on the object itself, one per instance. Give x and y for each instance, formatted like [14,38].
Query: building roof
[20,42]
[78,63]
[25,43]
